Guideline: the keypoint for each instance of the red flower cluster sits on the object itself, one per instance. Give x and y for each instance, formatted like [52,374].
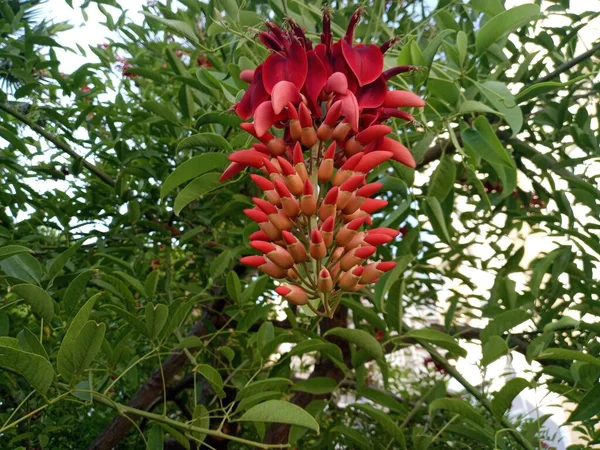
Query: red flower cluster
[330,102]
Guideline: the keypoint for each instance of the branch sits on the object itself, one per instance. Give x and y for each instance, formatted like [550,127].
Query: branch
[566,66]
[58,143]
[150,390]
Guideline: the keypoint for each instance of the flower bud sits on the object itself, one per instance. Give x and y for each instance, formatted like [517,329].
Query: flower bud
[325,131]
[327,231]
[326,166]
[264,265]
[308,203]
[325,283]
[293,294]
[275,253]
[295,247]
[349,279]
[373,271]
[355,257]
[317,247]
[298,159]
[293,180]
[328,207]
[348,231]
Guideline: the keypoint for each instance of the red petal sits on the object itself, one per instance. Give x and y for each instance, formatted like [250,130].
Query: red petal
[248,158]
[292,67]
[247,75]
[254,261]
[350,109]
[232,170]
[373,132]
[403,99]
[365,252]
[315,80]
[372,160]
[368,190]
[366,61]
[401,153]
[337,82]
[283,290]
[373,94]
[352,183]
[253,97]
[373,204]
[321,51]
[282,93]
[386,266]
[264,118]
[339,64]
[265,247]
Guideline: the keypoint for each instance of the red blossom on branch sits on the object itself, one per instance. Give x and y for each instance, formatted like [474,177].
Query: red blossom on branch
[330,101]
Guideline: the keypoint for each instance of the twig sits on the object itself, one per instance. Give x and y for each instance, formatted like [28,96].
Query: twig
[566,66]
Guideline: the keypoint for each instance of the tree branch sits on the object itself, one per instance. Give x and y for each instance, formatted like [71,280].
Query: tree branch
[58,143]
[566,66]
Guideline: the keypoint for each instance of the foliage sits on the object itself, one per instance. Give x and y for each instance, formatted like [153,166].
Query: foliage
[118,249]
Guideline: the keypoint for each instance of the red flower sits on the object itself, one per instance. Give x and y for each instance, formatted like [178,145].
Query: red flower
[202,61]
[331,100]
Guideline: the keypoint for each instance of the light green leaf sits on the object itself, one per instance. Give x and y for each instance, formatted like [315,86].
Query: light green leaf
[201,419]
[190,342]
[197,188]
[180,27]
[482,141]
[270,384]
[29,342]
[161,110]
[504,322]
[438,338]
[472,106]
[204,140]
[460,407]
[502,23]
[74,291]
[494,348]
[233,286]
[62,259]
[156,318]
[213,377]
[316,385]
[537,89]
[9,250]
[357,439]
[368,314]
[588,407]
[436,217]
[41,303]
[281,412]
[388,424]
[220,263]
[503,100]
[84,350]
[359,337]
[442,179]
[193,168]
[34,368]
[505,396]
[150,284]
[259,397]
[569,355]
[22,266]
[461,46]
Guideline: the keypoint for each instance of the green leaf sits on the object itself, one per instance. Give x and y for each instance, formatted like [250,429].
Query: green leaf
[22,266]
[84,350]
[482,141]
[62,259]
[434,212]
[180,27]
[259,397]
[193,168]
[536,346]
[156,318]
[368,314]
[34,368]
[316,385]
[74,291]
[270,384]
[438,338]
[220,263]
[357,439]
[494,348]
[150,284]
[233,286]
[359,337]
[65,358]
[473,106]
[502,23]
[569,355]
[281,412]
[190,342]
[41,303]
[460,407]
[9,250]
[505,396]
[225,118]
[442,179]
[156,438]
[388,424]
[588,407]
[204,140]
[31,343]
[461,46]
[503,100]
[161,110]
[393,275]
[213,377]
[201,419]
[537,89]
[197,188]
[504,322]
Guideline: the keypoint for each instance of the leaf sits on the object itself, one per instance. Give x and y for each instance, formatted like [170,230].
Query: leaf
[434,212]
[442,179]
[31,343]
[202,140]
[505,396]
[473,106]
[588,407]
[461,46]
[220,263]
[366,313]
[281,412]
[74,291]
[179,26]
[537,345]
[201,419]
[85,348]
[569,355]
[359,337]
[460,407]
[190,342]
[41,303]
[503,100]
[197,188]
[482,141]
[395,273]
[62,259]
[316,385]
[156,438]
[22,266]
[156,318]
[357,438]
[537,89]
[9,250]
[233,286]
[193,168]
[502,23]
[259,397]
[64,359]
[494,348]
[438,338]
[221,117]
[504,322]
[161,110]
[34,368]
[388,424]
[213,377]
[270,384]
[150,284]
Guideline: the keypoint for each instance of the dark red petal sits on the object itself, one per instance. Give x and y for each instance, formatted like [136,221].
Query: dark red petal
[289,237]
[366,61]
[372,160]
[365,252]
[263,246]
[373,94]
[248,158]
[373,132]
[264,118]
[315,80]
[253,97]
[259,235]
[368,190]
[397,70]
[264,205]
[283,290]
[321,51]
[352,183]
[386,266]
[350,109]
[284,92]
[232,170]
[349,37]
[254,261]
[339,64]
[373,204]
[292,67]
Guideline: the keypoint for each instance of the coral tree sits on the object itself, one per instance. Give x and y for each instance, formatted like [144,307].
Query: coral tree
[330,103]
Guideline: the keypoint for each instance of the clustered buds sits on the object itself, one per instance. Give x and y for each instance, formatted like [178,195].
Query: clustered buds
[330,102]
